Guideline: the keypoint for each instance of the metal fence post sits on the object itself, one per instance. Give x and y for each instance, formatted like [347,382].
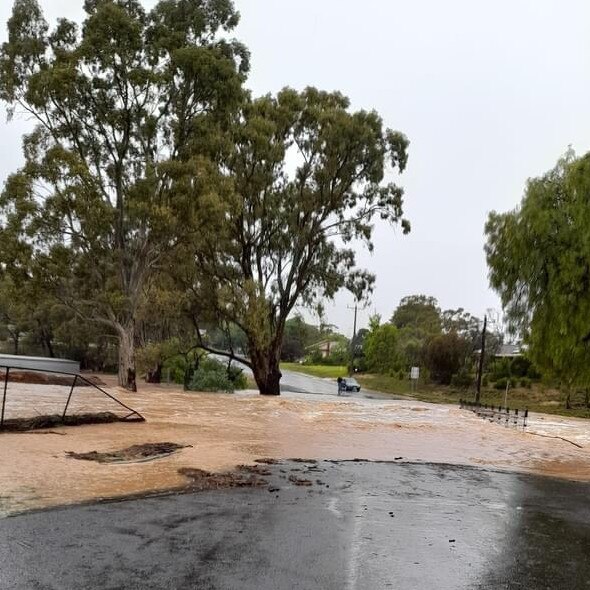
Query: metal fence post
[69,398]
[4,396]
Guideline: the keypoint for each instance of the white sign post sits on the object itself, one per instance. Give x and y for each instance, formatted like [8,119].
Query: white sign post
[414,376]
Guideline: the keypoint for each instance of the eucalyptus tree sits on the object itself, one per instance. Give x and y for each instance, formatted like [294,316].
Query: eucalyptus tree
[115,102]
[308,178]
[539,260]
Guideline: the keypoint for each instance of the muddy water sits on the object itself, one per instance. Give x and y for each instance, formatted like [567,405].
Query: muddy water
[226,430]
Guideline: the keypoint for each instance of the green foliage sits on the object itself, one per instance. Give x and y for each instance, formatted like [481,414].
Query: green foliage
[213,375]
[500,368]
[501,383]
[287,234]
[127,107]
[381,348]
[463,379]
[296,338]
[420,313]
[539,259]
[511,367]
[15,314]
[525,382]
[445,355]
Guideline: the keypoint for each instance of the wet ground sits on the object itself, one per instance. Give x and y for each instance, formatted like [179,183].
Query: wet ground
[219,431]
[359,526]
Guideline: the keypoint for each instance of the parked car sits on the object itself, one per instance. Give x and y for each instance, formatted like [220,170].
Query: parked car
[349,384]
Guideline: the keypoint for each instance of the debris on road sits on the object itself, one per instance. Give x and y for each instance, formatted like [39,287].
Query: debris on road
[201,480]
[133,454]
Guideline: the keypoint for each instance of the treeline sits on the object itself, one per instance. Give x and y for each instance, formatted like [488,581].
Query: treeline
[161,208]
[420,334]
[443,343]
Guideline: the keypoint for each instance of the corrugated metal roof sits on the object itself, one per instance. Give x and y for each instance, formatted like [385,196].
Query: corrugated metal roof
[39,363]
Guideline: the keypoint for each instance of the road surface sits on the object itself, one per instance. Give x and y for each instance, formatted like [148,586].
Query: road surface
[359,526]
[301,383]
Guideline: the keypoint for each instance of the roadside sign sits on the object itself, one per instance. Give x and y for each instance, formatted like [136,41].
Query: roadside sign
[415,373]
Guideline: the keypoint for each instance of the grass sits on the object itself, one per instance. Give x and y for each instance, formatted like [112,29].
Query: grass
[539,398]
[327,371]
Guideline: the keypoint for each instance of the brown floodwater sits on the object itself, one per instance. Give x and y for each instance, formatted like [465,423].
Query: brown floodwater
[227,430]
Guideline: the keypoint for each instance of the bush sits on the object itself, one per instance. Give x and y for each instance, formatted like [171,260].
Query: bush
[485,380]
[500,369]
[462,379]
[213,375]
[501,383]
[445,354]
[210,381]
[525,382]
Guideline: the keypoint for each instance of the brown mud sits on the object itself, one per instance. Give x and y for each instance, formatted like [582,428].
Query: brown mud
[40,422]
[132,454]
[200,480]
[222,431]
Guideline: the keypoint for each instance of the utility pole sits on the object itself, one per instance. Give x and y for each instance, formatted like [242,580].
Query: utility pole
[352,342]
[481,355]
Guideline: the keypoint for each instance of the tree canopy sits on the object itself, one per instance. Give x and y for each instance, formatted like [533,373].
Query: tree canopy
[125,106]
[539,260]
[308,178]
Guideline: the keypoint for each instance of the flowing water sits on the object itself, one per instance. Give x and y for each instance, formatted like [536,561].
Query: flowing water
[225,430]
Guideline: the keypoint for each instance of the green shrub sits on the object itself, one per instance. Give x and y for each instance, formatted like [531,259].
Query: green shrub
[525,382]
[462,379]
[501,383]
[485,380]
[210,381]
[213,375]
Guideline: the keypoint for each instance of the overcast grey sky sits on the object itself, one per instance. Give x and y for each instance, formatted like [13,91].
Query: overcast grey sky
[489,94]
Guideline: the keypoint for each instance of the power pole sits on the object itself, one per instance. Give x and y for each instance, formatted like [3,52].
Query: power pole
[481,355]
[352,342]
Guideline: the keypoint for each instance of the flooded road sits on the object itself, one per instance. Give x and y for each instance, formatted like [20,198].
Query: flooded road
[221,431]
[359,526]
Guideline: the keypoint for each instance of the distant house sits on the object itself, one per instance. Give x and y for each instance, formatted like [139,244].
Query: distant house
[509,351]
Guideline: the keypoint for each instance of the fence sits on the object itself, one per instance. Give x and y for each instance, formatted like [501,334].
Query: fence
[497,414]
[39,404]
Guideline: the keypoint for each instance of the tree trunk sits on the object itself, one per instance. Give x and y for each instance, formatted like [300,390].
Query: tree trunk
[267,374]
[127,372]
[567,400]
[154,375]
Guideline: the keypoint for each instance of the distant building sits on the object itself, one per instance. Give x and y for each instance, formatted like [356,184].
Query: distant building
[509,351]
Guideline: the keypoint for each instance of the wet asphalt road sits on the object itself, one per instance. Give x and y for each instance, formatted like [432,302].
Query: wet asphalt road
[300,383]
[364,526]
